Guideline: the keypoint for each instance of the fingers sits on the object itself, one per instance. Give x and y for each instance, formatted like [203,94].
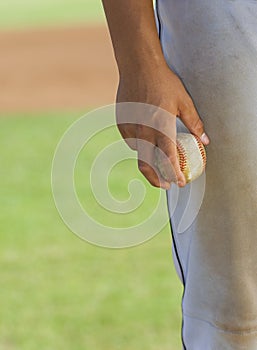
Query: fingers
[169,161]
[146,158]
[151,175]
[166,142]
[127,131]
[160,131]
[192,121]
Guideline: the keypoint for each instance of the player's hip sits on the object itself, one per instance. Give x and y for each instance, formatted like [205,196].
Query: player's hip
[211,40]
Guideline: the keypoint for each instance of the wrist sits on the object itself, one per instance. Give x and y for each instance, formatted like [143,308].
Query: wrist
[143,63]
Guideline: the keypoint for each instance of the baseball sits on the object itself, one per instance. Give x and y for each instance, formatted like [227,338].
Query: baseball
[191,154]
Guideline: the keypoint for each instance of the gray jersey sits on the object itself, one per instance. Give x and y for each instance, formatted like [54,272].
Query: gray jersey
[212,46]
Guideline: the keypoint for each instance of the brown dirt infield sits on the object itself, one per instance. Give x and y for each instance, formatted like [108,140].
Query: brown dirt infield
[56,69]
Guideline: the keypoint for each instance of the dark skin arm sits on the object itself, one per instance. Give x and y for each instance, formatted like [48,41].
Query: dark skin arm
[145,77]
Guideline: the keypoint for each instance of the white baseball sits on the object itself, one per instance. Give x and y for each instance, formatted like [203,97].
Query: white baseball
[191,154]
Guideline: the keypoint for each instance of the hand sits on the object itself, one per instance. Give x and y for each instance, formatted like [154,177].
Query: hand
[162,88]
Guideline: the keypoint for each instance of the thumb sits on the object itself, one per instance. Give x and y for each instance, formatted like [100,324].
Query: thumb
[193,122]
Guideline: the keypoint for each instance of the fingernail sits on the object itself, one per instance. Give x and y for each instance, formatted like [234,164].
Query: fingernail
[205,139]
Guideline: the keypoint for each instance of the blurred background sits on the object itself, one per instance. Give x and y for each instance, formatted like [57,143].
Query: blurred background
[58,292]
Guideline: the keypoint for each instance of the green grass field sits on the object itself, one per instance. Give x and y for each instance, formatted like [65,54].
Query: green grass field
[27,13]
[58,292]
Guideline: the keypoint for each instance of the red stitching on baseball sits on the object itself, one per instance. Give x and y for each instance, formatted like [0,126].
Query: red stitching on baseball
[201,149]
[182,156]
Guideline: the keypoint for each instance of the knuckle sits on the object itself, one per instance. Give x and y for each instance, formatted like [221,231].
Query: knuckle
[153,181]
[186,104]
[146,170]
[189,104]
[197,125]
[131,143]
[121,129]
[143,167]
[155,184]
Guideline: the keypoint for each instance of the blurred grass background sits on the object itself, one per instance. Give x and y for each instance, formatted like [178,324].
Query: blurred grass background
[58,292]
[28,13]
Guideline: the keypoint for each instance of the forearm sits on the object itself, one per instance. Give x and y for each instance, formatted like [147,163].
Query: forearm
[134,34]
[146,78]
